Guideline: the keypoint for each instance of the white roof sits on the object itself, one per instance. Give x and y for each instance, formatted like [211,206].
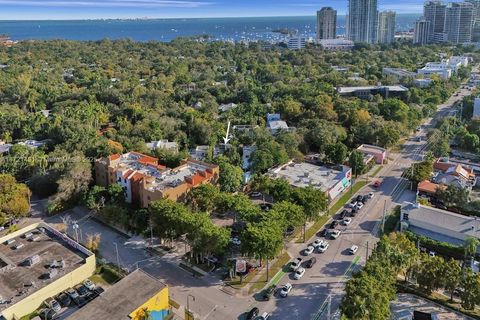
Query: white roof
[277,124]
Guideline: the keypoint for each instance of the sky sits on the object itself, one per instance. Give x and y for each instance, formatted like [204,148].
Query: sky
[99,9]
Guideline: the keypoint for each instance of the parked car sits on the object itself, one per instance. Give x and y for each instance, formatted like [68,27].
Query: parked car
[359,205]
[264,316]
[79,301]
[252,314]
[256,194]
[81,289]
[310,262]
[371,195]
[353,249]
[299,273]
[286,290]
[296,264]
[343,214]
[377,184]
[235,241]
[333,224]
[347,221]
[352,203]
[63,299]
[309,250]
[323,233]
[359,198]
[89,284]
[47,314]
[335,234]
[317,242]
[323,247]
[72,293]
[365,199]
[267,293]
[52,304]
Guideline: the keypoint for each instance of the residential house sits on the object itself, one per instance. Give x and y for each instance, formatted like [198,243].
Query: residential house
[163,144]
[275,124]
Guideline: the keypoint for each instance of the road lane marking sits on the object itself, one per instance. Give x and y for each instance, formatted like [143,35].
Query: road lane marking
[349,270]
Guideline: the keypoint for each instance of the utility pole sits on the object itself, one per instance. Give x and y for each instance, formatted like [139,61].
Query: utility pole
[118,257]
[329,307]
[366,255]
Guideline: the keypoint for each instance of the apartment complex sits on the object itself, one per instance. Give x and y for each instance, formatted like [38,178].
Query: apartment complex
[447,23]
[421,32]
[326,23]
[144,180]
[445,68]
[362,21]
[386,27]
[36,263]
[296,43]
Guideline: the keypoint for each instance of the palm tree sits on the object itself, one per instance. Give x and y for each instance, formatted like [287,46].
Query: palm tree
[470,246]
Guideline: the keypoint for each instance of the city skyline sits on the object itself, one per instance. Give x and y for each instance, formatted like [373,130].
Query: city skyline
[131,9]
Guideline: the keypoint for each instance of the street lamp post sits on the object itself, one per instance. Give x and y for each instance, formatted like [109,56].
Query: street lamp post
[188,305]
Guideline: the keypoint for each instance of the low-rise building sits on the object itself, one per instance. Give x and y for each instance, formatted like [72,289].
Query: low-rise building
[336,44]
[296,43]
[33,143]
[367,92]
[331,180]
[442,72]
[398,74]
[144,180]
[163,144]
[275,124]
[438,224]
[36,263]
[422,83]
[377,153]
[428,189]
[448,173]
[224,107]
[132,298]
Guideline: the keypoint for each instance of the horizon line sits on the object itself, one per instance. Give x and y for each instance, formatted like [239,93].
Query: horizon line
[182,18]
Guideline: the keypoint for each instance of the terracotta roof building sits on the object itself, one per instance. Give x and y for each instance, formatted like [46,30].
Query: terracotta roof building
[144,180]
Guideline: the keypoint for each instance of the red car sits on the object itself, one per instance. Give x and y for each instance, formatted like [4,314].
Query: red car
[377,184]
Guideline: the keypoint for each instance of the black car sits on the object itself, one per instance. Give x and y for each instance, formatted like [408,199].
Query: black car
[342,214]
[354,212]
[269,292]
[310,262]
[79,301]
[364,199]
[64,299]
[333,224]
[359,198]
[82,290]
[323,233]
[252,314]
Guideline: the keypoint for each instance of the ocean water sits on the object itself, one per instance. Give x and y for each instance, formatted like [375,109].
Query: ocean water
[234,29]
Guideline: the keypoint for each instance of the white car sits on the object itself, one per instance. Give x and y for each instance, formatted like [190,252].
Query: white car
[347,221]
[299,273]
[317,243]
[335,234]
[352,204]
[371,195]
[359,205]
[72,293]
[89,284]
[353,249]
[323,247]
[295,264]
[308,250]
[264,316]
[286,290]
[235,241]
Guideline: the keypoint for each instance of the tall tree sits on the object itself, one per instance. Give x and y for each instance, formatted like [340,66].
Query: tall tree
[356,162]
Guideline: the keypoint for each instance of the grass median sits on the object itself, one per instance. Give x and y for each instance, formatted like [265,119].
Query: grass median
[272,271]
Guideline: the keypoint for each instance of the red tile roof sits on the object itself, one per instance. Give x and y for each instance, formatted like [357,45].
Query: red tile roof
[198,178]
[114,157]
[429,187]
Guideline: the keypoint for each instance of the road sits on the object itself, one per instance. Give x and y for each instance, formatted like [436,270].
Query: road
[326,278]
[309,297]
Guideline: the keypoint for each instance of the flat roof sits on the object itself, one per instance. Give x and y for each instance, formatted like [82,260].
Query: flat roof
[118,301]
[16,277]
[400,72]
[371,149]
[442,219]
[366,88]
[305,174]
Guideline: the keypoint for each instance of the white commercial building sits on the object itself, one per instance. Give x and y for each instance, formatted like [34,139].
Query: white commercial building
[296,43]
[163,144]
[336,44]
[398,74]
[332,181]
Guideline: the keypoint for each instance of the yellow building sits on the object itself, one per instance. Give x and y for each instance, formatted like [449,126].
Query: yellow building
[138,296]
[25,282]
